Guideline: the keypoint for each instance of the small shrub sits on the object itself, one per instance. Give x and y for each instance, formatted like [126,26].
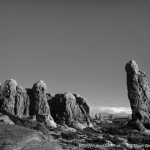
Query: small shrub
[146,140]
[69,135]
[41,128]
[134,139]
[29,124]
[122,132]
[116,121]
[98,141]
[104,130]
[112,131]
[114,139]
[18,122]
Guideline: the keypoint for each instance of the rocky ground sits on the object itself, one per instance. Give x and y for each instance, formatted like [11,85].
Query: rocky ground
[106,136]
[26,134]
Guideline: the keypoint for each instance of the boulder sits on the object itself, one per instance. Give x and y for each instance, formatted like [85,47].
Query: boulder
[5,119]
[139,96]
[46,119]
[71,110]
[77,125]
[65,128]
[14,99]
[13,137]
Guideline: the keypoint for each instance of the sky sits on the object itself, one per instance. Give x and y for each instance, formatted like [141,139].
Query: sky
[79,46]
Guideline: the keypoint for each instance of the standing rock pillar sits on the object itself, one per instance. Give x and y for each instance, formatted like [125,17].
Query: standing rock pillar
[41,108]
[139,96]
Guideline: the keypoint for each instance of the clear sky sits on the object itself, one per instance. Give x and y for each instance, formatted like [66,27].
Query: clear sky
[79,46]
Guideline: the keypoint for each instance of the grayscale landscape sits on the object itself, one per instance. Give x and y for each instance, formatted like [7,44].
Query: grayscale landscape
[74,75]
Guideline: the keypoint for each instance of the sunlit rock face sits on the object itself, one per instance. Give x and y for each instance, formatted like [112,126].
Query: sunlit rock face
[39,105]
[138,94]
[13,99]
[70,109]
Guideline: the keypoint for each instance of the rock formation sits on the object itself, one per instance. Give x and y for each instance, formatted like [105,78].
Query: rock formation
[70,109]
[35,103]
[39,90]
[13,99]
[39,107]
[84,107]
[102,116]
[139,96]
[22,103]
[7,97]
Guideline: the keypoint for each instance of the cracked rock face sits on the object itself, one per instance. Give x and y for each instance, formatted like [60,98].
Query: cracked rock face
[71,110]
[40,105]
[138,94]
[13,99]
[7,95]
[39,90]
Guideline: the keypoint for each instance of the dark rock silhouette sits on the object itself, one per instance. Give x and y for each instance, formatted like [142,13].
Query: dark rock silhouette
[139,96]
[22,102]
[13,99]
[71,110]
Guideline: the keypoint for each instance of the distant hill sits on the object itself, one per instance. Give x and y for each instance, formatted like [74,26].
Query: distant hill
[115,111]
[115,115]
[121,115]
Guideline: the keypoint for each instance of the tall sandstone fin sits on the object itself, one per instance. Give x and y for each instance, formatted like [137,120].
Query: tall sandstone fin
[139,96]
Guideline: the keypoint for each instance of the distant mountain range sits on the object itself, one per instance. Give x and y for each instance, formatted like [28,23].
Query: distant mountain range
[115,111]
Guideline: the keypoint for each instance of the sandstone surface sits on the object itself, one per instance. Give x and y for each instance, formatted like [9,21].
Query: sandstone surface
[14,99]
[13,137]
[70,109]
